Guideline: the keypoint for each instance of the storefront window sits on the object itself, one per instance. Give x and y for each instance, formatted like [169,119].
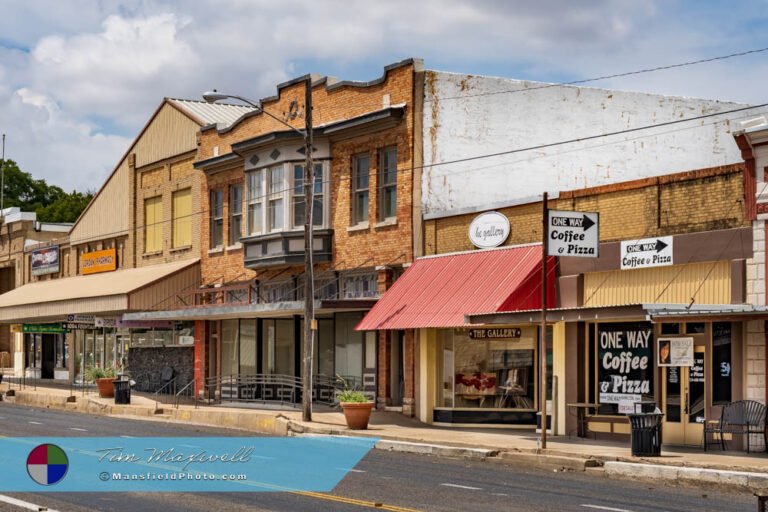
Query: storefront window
[721,363]
[247,347]
[229,336]
[488,368]
[279,350]
[623,355]
[349,348]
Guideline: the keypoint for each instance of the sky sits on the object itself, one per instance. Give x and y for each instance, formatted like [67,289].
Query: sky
[80,78]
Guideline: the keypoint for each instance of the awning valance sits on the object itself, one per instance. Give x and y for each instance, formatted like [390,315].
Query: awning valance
[109,292]
[438,291]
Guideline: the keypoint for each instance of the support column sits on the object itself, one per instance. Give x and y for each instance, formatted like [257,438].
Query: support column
[383,395]
[409,377]
[200,339]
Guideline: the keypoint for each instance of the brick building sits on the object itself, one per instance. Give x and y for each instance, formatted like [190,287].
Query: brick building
[249,311]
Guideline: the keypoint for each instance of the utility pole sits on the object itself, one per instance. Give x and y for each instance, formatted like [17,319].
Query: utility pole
[543,329]
[309,285]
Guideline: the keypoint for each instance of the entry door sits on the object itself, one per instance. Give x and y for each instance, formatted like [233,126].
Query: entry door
[48,356]
[684,399]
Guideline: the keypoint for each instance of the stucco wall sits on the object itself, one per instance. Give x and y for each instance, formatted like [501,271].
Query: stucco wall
[466,116]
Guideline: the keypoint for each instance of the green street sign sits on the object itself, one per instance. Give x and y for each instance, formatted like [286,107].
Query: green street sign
[43,328]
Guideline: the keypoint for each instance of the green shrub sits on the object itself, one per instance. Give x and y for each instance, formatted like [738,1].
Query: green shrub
[94,372]
[352,396]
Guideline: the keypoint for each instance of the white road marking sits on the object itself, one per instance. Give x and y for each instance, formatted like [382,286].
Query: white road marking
[599,507]
[463,487]
[500,494]
[127,437]
[24,504]
[35,422]
[351,470]
[78,429]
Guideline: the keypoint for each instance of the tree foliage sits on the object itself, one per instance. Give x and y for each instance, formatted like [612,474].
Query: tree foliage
[50,202]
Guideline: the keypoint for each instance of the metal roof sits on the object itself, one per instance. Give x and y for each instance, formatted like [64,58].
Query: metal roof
[438,291]
[220,114]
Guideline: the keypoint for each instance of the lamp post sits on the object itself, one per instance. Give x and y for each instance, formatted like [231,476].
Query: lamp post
[309,288]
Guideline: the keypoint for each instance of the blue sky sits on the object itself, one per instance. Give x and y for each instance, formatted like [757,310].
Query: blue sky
[78,79]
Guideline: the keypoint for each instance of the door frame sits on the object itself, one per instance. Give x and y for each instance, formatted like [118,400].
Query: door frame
[685,432]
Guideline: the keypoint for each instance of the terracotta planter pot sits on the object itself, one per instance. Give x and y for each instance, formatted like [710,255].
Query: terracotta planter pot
[106,388]
[357,414]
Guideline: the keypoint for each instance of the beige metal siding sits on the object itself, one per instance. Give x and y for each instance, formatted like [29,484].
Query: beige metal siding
[162,295]
[60,309]
[707,283]
[107,215]
[170,133]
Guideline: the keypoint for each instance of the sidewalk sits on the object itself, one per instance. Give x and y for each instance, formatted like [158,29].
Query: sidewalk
[502,443]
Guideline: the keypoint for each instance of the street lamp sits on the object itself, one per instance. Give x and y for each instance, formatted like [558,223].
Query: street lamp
[309,288]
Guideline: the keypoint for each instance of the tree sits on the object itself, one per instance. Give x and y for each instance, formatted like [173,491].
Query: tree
[50,202]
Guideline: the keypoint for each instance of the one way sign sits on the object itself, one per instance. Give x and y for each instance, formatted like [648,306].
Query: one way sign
[573,234]
[649,252]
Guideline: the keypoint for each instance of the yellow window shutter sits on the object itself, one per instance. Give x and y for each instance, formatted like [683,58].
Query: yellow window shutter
[153,228]
[182,218]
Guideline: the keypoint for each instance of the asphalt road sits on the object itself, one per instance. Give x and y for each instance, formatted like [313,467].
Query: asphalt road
[382,480]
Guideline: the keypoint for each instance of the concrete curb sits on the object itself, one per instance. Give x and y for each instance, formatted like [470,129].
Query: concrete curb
[741,480]
[547,461]
[435,449]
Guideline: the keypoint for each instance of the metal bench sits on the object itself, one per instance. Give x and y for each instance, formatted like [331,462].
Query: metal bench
[744,418]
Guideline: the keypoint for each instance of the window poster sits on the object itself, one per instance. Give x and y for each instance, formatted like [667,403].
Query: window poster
[624,362]
[675,352]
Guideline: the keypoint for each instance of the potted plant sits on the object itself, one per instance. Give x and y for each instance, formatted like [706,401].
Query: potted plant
[104,378]
[357,408]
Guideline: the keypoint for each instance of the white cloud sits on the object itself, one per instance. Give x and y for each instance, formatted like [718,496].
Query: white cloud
[77,84]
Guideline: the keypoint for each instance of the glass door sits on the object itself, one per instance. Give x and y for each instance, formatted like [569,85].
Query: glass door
[684,400]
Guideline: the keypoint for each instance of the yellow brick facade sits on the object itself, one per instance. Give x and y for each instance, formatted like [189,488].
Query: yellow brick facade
[702,200]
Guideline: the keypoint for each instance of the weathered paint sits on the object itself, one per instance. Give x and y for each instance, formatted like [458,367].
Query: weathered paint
[467,116]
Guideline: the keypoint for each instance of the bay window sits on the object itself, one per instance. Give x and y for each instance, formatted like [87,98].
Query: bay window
[299,200]
[276,194]
[255,201]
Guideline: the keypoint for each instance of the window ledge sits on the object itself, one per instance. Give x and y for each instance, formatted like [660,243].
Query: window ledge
[152,254]
[216,250]
[234,247]
[181,249]
[391,221]
[360,226]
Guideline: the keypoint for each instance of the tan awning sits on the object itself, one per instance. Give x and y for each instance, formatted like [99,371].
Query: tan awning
[135,289]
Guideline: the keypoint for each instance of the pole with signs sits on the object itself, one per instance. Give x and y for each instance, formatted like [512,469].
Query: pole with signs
[566,233]
[543,333]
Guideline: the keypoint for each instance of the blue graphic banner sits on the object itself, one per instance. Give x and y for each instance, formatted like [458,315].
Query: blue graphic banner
[177,464]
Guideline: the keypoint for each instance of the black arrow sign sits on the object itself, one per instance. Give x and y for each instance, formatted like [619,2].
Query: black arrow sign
[583,222]
[658,246]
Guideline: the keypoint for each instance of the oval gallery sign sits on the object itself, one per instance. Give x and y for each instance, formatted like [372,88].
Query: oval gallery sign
[488,230]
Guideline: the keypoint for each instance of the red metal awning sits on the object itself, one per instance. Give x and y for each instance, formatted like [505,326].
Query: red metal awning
[437,291]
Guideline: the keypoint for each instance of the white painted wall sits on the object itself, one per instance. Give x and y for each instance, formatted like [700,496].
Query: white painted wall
[466,116]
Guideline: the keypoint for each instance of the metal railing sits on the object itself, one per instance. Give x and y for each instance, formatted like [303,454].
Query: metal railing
[165,392]
[268,388]
[187,391]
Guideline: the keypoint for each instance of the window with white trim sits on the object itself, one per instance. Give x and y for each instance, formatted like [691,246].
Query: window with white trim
[276,188]
[387,183]
[235,213]
[255,202]
[217,218]
[361,167]
[299,200]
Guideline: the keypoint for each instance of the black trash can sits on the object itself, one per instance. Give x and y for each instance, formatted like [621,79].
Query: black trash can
[122,390]
[646,434]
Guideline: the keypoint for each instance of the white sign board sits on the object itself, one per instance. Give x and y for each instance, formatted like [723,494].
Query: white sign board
[573,234]
[645,253]
[675,352]
[489,230]
[82,319]
[110,322]
[627,406]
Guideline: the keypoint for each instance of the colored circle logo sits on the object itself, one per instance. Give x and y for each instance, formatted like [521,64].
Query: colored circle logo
[47,464]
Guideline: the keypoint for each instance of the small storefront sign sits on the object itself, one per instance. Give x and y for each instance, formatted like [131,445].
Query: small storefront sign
[573,234]
[98,261]
[110,322]
[82,319]
[497,333]
[675,352]
[44,328]
[625,362]
[78,326]
[646,253]
[489,230]
[45,261]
